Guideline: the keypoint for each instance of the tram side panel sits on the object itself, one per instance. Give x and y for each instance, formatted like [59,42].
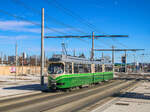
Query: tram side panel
[108,75]
[74,80]
[98,77]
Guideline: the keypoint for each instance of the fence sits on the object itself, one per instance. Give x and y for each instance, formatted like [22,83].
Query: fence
[25,70]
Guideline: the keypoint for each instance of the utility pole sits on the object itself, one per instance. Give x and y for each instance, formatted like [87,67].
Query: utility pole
[125,61]
[102,57]
[22,63]
[35,64]
[74,52]
[102,54]
[16,60]
[134,61]
[92,50]
[113,57]
[142,63]
[42,48]
[103,65]
[2,58]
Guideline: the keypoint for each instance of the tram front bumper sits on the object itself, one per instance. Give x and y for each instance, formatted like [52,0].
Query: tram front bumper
[52,84]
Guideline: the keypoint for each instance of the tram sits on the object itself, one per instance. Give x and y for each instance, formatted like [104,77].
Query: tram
[66,72]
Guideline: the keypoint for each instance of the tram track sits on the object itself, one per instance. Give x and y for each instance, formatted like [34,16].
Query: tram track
[79,104]
[47,101]
[44,94]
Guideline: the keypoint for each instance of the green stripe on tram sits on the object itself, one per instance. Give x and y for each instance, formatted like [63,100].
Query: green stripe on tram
[73,80]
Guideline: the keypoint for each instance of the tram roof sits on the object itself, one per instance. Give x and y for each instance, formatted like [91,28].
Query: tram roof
[78,60]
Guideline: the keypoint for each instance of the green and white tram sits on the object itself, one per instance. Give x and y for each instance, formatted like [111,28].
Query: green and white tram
[68,72]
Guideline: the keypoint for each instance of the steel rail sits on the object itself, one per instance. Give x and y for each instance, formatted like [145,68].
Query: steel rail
[28,101]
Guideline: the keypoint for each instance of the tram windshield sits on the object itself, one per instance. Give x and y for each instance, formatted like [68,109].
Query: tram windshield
[56,68]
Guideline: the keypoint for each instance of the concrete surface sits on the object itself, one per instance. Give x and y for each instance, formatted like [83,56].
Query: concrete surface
[22,85]
[135,100]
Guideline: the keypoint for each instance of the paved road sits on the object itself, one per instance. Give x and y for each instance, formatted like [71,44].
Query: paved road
[63,101]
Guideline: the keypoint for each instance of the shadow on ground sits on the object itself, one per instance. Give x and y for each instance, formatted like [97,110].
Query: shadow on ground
[134,95]
[131,78]
[34,87]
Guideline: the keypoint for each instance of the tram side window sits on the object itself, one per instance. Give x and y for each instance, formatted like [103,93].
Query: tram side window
[111,68]
[68,68]
[87,68]
[75,68]
[78,68]
[108,68]
[82,68]
[98,68]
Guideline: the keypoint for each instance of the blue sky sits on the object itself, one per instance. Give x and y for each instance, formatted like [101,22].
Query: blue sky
[108,16]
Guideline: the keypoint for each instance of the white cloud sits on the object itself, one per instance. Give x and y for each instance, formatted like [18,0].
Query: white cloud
[18,37]
[18,26]
[14,23]
[23,26]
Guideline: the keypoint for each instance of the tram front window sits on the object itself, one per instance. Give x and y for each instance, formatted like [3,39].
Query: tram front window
[56,68]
